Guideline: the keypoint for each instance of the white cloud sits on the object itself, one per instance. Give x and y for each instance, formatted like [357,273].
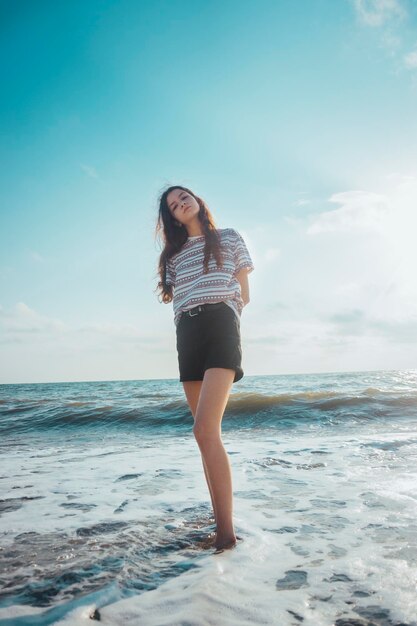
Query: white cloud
[376,13]
[361,285]
[386,16]
[390,42]
[347,289]
[398,329]
[392,217]
[23,320]
[271,254]
[89,170]
[23,324]
[38,348]
[36,256]
[410,59]
[360,210]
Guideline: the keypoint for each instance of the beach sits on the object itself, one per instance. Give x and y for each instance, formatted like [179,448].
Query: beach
[105,511]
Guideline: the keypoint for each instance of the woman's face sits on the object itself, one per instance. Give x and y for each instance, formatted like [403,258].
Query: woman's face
[182,205]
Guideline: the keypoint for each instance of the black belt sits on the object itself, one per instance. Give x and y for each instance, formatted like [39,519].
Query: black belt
[202,307]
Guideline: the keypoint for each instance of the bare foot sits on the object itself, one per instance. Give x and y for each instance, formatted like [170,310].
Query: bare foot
[220,550]
[225,544]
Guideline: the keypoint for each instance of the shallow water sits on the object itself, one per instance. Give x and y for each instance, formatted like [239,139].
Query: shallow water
[104,504]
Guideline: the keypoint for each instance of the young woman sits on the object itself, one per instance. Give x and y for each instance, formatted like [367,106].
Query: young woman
[204,271]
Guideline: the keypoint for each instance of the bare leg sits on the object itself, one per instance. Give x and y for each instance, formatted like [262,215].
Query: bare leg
[192,392]
[213,399]
[213,502]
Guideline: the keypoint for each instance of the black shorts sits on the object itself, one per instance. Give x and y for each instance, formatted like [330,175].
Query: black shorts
[210,338]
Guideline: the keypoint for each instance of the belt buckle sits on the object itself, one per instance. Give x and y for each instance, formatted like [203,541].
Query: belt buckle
[194,314]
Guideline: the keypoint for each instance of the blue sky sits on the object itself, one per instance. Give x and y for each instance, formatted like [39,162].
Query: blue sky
[295,121]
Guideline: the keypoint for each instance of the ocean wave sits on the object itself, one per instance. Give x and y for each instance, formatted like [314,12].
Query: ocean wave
[244,408]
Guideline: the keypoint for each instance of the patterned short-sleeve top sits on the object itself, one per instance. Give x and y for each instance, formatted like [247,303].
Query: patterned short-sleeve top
[192,287]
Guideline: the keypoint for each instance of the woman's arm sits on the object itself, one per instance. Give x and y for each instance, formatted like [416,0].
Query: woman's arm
[242,277]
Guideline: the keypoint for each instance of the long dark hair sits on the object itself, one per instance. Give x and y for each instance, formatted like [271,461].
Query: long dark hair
[174,235]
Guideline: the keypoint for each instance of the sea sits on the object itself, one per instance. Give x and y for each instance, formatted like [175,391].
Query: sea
[105,514]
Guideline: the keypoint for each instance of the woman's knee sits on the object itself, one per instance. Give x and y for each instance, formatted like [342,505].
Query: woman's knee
[205,434]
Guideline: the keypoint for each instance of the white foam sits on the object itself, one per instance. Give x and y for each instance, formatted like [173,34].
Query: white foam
[345,516]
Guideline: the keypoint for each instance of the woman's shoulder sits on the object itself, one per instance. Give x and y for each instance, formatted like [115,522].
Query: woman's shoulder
[227,232]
